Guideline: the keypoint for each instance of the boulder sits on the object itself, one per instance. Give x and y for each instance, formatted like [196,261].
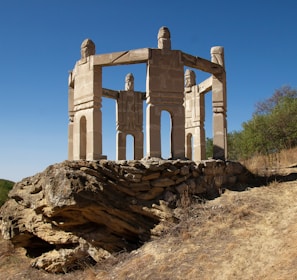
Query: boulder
[87,210]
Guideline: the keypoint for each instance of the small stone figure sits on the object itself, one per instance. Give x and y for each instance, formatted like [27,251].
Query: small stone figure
[129,82]
[190,78]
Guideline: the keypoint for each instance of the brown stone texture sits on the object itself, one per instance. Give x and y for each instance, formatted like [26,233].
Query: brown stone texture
[80,210]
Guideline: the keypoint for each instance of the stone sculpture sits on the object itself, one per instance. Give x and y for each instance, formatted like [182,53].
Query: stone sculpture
[129,119]
[166,90]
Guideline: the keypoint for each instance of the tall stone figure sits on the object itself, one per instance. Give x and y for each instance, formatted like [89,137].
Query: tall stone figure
[194,118]
[165,87]
[85,94]
[129,119]
[219,105]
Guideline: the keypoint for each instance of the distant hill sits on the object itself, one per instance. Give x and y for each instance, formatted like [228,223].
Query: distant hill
[5,187]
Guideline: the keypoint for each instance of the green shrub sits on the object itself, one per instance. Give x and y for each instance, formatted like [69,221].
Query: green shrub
[5,187]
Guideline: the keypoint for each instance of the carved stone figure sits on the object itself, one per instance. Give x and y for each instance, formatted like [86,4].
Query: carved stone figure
[129,107]
[129,119]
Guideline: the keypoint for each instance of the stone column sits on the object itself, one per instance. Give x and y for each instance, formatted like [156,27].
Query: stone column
[121,146]
[153,134]
[199,144]
[178,133]
[219,106]
[71,117]
[138,145]
[94,134]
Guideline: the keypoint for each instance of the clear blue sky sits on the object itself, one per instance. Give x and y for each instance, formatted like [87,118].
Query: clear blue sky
[40,43]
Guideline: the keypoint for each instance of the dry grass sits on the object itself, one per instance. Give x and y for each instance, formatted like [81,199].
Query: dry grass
[276,162]
[248,235]
[240,235]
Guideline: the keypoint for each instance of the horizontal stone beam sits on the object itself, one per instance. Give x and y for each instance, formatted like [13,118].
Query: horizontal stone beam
[201,64]
[125,57]
[114,94]
[109,93]
[143,55]
[205,86]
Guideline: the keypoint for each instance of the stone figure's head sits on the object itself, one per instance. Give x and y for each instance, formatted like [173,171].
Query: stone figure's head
[217,55]
[190,78]
[87,48]
[164,41]
[129,82]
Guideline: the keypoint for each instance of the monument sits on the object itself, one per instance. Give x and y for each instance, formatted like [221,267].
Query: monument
[168,88]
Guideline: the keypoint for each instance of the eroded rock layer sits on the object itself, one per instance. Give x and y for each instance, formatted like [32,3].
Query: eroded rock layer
[78,210]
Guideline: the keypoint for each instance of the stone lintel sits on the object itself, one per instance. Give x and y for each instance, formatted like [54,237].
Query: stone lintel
[124,57]
[205,86]
[201,64]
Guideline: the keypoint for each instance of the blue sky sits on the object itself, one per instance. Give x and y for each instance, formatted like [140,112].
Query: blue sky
[40,43]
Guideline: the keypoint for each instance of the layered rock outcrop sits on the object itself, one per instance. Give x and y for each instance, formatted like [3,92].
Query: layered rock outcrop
[80,210]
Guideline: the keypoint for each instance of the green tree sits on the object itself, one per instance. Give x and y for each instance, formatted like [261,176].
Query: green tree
[273,126]
[234,144]
[209,147]
[5,187]
[267,106]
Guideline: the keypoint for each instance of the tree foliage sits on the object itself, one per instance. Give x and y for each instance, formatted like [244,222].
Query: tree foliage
[5,187]
[209,147]
[267,106]
[273,127]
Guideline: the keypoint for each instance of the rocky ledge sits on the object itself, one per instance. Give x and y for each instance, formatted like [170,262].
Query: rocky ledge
[78,211]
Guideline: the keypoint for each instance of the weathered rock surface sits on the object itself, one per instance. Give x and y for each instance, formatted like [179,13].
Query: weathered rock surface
[78,210]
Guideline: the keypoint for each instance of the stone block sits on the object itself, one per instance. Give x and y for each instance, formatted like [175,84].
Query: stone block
[163,182]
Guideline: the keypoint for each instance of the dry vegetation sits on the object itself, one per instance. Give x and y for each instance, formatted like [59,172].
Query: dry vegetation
[275,162]
[240,235]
